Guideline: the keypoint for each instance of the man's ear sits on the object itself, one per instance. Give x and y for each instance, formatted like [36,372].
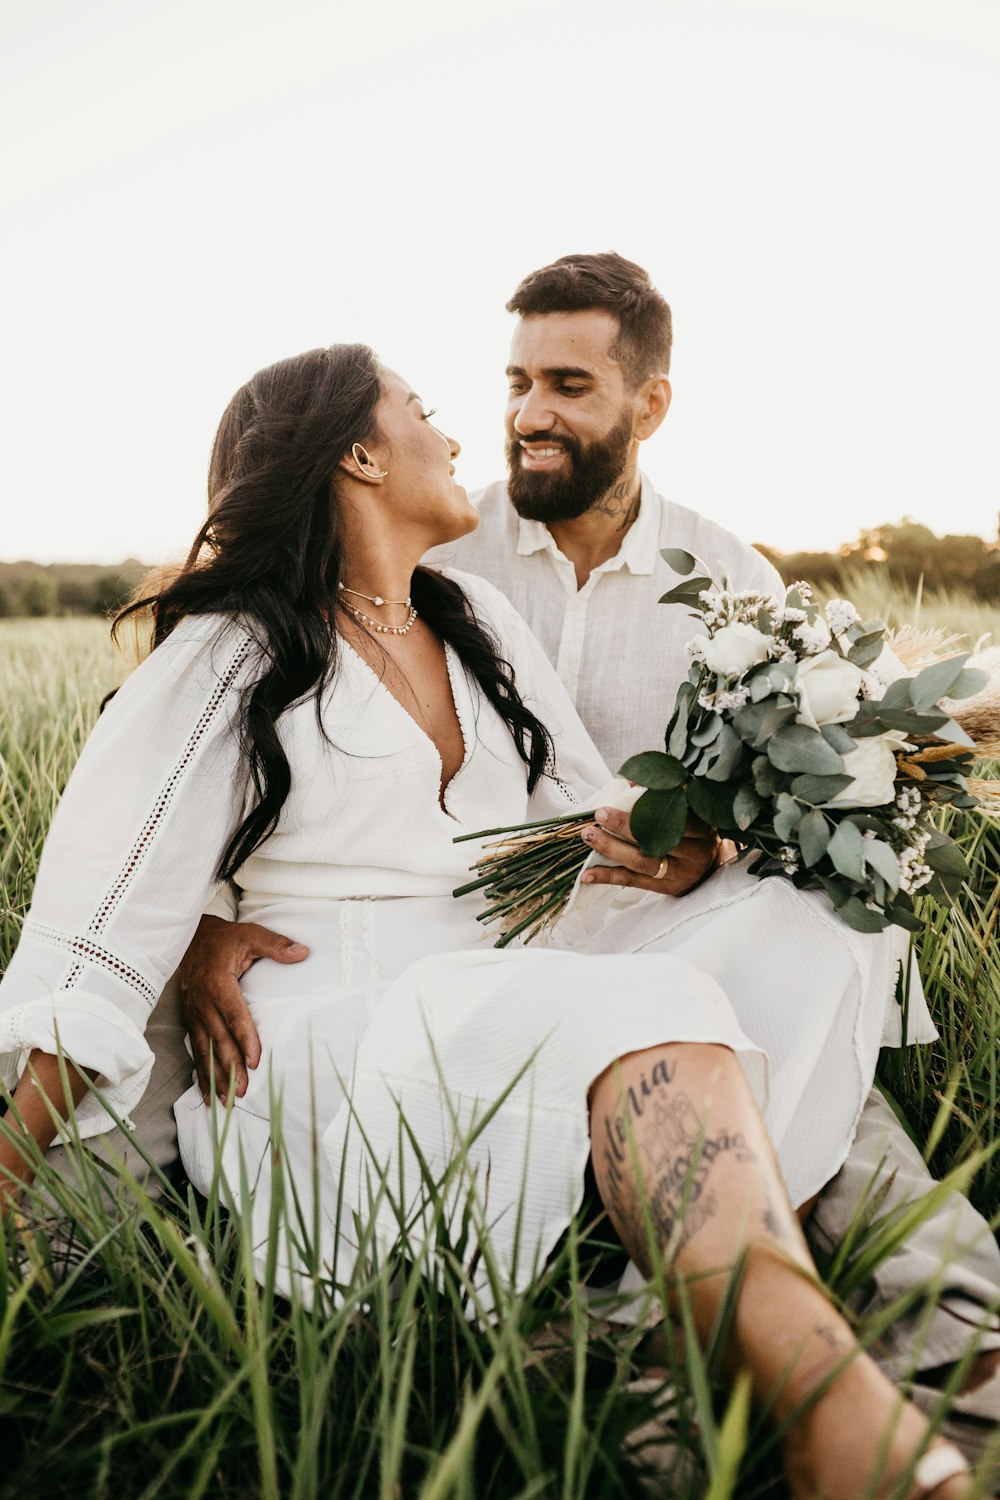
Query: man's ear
[653,404]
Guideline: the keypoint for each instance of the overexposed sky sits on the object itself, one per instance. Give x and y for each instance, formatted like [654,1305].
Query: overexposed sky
[194,188]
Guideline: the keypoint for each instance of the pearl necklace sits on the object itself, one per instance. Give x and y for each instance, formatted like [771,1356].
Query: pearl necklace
[359,614]
[375,599]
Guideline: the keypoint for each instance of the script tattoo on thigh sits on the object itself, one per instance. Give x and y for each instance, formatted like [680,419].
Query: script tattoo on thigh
[659,1130]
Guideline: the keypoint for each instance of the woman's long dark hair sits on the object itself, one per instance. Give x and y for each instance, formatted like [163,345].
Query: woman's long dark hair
[270,554]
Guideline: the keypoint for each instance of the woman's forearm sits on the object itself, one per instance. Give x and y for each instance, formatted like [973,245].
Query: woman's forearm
[39,1091]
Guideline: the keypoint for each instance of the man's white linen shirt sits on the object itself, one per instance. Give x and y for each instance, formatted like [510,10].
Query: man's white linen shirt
[620,654]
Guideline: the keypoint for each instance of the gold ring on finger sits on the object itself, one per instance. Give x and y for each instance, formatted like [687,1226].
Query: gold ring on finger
[662,870]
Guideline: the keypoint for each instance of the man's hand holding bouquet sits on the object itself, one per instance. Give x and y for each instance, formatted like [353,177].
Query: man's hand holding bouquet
[799,736]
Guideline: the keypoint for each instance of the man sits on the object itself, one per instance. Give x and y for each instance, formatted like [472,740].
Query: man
[574,539]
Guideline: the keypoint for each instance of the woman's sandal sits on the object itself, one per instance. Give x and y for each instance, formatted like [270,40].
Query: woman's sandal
[941,1463]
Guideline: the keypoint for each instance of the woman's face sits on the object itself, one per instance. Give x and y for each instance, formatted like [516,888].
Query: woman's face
[420,461]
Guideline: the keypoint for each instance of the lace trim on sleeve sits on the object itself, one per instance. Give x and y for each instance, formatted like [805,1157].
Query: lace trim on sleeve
[552,773]
[152,825]
[90,951]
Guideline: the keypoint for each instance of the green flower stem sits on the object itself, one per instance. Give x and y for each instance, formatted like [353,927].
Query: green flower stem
[567,868]
[536,918]
[582,816]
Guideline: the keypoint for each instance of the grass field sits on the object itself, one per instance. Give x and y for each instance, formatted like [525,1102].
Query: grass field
[159,1368]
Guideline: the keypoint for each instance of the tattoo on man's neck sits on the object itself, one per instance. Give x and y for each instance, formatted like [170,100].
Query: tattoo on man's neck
[620,502]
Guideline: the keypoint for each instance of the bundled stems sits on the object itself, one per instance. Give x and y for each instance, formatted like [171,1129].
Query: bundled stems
[528,877]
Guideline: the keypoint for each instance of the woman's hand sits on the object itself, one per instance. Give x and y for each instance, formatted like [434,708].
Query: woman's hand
[224,1040]
[697,854]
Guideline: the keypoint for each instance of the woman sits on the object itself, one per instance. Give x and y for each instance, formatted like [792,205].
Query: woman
[319,718]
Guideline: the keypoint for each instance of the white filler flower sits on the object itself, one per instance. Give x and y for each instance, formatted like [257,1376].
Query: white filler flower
[841,615]
[813,637]
[735,648]
[828,689]
[872,768]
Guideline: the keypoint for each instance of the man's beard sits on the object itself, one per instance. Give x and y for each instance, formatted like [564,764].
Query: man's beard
[566,494]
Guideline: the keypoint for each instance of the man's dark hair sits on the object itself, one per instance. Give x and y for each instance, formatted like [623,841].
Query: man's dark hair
[575,283]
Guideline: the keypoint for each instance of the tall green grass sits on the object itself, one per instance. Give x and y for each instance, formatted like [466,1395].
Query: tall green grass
[139,1356]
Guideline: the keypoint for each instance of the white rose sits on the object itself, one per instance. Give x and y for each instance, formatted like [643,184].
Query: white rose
[872,769]
[827,688]
[735,648]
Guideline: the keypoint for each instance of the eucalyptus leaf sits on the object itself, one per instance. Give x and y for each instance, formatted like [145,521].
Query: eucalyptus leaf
[819,790]
[677,733]
[708,730]
[903,915]
[706,760]
[798,747]
[837,737]
[687,593]
[769,718]
[879,857]
[765,622]
[969,682]
[954,734]
[658,820]
[760,686]
[747,721]
[846,850]
[865,722]
[653,769]
[935,681]
[911,722]
[837,889]
[746,806]
[861,917]
[946,858]
[729,749]
[678,560]
[766,779]
[866,649]
[898,694]
[814,836]
[787,815]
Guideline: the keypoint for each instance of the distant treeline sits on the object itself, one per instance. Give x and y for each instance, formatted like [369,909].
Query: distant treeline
[910,554]
[28,588]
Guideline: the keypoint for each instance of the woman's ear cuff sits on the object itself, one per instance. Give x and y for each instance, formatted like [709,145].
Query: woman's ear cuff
[365,463]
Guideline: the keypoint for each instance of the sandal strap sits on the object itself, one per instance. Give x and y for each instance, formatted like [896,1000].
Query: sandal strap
[941,1463]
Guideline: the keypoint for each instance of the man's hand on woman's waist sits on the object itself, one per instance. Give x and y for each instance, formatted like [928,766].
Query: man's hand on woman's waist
[224,1040]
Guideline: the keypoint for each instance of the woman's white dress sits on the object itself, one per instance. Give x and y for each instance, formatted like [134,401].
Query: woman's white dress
[403,1008]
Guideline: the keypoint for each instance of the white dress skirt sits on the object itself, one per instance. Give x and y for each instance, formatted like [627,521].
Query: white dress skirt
[403,1010]
[392,1020]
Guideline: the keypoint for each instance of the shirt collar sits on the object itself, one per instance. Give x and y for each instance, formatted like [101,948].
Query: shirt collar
[638,552]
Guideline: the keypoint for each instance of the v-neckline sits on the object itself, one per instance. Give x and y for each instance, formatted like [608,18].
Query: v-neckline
[443,787]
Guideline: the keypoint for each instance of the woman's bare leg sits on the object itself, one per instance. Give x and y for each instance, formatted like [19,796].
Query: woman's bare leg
[680,1151]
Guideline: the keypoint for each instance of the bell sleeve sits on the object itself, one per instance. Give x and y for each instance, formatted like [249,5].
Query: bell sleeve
[129,864]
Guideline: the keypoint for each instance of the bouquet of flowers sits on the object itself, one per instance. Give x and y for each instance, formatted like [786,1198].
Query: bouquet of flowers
[797,735]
